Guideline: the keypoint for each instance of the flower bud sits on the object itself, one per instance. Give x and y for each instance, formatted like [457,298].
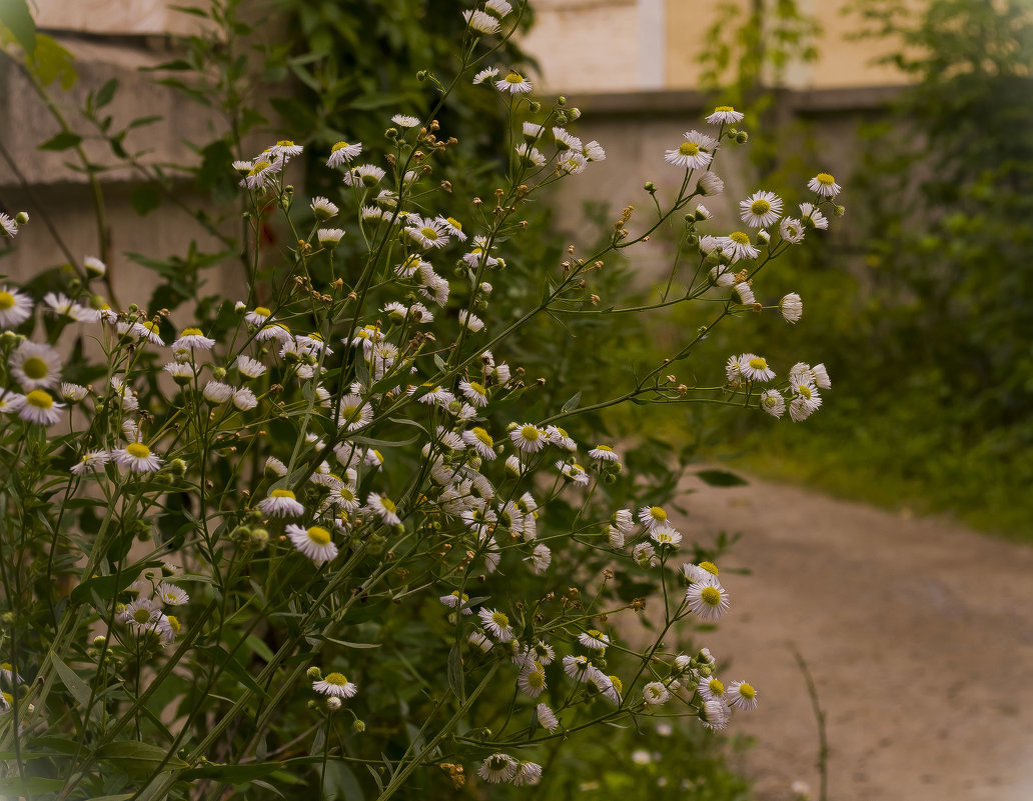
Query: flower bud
[21,217]
[358,726]
[333,703]
[742,137]
[840,211]
[314,673]
[95,268]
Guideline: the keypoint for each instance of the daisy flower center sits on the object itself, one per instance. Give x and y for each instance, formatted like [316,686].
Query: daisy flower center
[759,363]
[455,223]
[262,310]
[711,596]
[804,390]
[281,493]
[142,615]
[514,77]
[191,332]
[824,179]
[500,619]
[689,149]
[604,448]
[477,388]
[262,165]
[710,567]
[173,622]
[657,514]
[429,233]
[349,413]
[760,206]
[388,504]
[339,146]
[336,679]
[35,367]
[6,301]
[138,450]
[747,691]
[39,399]
[536,680]
[150,326]
[724,108]
[739,238]
[716,687]
[529,432]
[318,535]
[285,143]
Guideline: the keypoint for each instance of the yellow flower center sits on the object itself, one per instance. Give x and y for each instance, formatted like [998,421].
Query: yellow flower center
[350,413]
[39,399]
[455,223]
[388,504]
[604,448]
[716,687]
[262,165]
[689,149]
[723,109]
[478,388]
[804,390]
[530,432]
[318,535]
[6,301]
[339,146]
[711,596]
[483,436]
[760,206]
[739,238]
[138,450]
[281,493]
[825,179]
[429,233]
[142,615]
[514,77]
[759,363]
[618,685]
[191,332]
[747,691]
[285,143]
[536,679]
[337,679]
[173,623]
[34,367]
[150,326]
[500,619]
[658,514]
[710,567]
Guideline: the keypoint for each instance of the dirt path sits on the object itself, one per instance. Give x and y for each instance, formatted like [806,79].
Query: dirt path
[919,635]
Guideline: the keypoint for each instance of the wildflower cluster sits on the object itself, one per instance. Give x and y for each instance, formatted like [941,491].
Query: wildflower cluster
[337,477]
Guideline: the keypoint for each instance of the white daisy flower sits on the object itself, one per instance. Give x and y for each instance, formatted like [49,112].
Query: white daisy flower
[137,458]
[8,225]
[572,164]
[498,769]
[824,184]
[528,774]
[791,230]
[744,293]
[806,401]
[480,642]
[528,437]
[665,535]
[652,516]
[644,555]
[821,377]
[529,155]
[314,542]
[566,140]
[760,209]
[710,184]
[481,22]
[453,227]
[405,120]
[694,153]
[481,441]
[335,685]
[144,329]
[258,316]
[575,472]
[615,537]
[367,175]
[624,520]
[604,453]
[343,153]
[741,695]
[560,438]
[593,151]
[244,399]
[474,392]
[498,7]
[546,718]
[15,307]
[171,595]
[323,208]
[791,307]
[455,600]
[707,599]
[576,667]
[281,503]
[531,680]
[541,558]
[35,366]
[384,508]
[755,368]
[485,74]
[496,624]
[329,237]
[90,462]
[217,392]
[39,407]
[284,149]
[426,232]
[594,639]
[515,83]
[59,304]
[263,173]
[193,339]
[655,694]
[354,413]
[142,616]
[724,114]
[470,321]
[773,403]
[813,217]
[275,467]
[736,246]
[714,715]
[711,689]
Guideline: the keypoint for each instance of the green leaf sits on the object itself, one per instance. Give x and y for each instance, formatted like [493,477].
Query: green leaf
[137,757]
[62,141]
[571,404]
[346,644]
[145,199]
[79,689]
[106,93]
[232,774]
[52,62]
[15,16]
[106,586]
[26,786]
[721,478]
[456,677]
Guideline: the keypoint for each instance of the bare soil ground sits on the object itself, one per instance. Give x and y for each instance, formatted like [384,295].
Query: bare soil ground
[919,635]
